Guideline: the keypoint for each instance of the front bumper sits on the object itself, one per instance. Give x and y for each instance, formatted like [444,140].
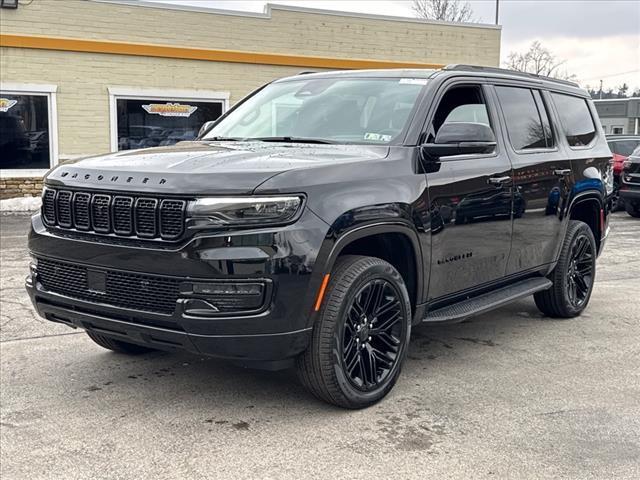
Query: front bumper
[283,259]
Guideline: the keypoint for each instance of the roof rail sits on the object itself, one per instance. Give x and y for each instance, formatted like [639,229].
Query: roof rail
[505,71]
[305,72]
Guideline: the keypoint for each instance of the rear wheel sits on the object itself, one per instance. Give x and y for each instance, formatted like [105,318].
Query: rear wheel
[118,345]
[632,209]
[360,339]
[573,275]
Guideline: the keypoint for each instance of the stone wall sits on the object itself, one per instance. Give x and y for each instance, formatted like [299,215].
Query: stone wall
[20,187]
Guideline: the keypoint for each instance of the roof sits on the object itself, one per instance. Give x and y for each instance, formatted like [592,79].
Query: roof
[472,70]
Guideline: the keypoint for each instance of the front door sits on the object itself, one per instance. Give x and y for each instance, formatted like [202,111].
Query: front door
[470,200]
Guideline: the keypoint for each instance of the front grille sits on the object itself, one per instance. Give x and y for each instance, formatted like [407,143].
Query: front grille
[122,215]
[127,290]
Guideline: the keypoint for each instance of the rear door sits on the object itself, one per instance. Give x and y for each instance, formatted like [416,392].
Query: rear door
[470,199]
[542,175]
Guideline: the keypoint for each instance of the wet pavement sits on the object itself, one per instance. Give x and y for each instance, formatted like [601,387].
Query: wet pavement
[509,394]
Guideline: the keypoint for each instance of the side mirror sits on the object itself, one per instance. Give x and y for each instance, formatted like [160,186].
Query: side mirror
[460,138]
[205,127]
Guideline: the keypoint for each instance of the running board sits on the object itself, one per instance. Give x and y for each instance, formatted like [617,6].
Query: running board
[487,301]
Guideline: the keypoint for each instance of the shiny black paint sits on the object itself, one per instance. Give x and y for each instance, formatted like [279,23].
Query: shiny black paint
[458,215]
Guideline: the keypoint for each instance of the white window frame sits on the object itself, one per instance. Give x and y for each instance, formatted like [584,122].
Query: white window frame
[42,90]
[170,95]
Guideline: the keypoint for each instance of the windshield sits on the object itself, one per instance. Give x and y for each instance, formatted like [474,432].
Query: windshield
[340,110]
[623,147]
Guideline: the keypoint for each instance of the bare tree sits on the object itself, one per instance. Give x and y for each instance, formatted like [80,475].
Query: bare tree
[446,10]
[539,60]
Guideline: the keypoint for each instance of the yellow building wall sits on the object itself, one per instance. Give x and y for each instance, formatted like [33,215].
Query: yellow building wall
[83,79]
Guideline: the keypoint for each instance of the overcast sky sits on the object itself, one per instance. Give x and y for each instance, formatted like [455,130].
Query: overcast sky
[599,39]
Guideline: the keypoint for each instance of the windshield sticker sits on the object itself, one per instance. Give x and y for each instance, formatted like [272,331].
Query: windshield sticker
[170,109]
[6,104]
[414,81]
[377,137]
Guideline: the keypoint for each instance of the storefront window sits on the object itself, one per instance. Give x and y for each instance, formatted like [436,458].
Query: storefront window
[159,122]
[24,131]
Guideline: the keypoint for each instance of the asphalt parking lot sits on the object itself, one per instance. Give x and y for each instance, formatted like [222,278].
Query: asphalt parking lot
[509,394]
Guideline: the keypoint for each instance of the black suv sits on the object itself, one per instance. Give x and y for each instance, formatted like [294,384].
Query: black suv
[325,214]
[630,183]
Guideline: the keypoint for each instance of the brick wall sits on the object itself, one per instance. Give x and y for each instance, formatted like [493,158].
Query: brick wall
[20,187]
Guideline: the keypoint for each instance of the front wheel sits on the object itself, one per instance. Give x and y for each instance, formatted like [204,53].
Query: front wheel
[573,275]
[360,339]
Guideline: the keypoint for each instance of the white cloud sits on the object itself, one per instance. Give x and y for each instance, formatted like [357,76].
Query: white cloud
[614,59]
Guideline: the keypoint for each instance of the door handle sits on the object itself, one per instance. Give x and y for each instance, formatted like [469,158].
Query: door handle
[499,181]
[565,172]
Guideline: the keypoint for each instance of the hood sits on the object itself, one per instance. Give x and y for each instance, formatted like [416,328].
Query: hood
[204,167]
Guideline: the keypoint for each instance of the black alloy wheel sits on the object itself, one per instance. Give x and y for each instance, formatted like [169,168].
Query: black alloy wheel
[360,336]
[372,334]
[579,276]
[573,275]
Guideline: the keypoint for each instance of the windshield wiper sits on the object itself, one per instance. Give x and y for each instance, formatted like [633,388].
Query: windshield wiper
[290,140]
[221,139]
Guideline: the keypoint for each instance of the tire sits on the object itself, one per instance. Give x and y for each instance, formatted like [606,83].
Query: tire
[351,363]
[118,345]
[632,209]
[573,275]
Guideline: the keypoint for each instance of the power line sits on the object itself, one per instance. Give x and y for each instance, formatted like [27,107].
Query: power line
[612,75]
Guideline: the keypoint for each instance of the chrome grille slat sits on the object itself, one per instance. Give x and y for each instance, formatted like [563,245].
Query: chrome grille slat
[119,215]
[123,215]
[63,204]
[146,217]
[49,206]
[100,213]
[81,201]
[171,218]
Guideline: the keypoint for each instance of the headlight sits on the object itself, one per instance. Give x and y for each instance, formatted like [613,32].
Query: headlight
[243,211]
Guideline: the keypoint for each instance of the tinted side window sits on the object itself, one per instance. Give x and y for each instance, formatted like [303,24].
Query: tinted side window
[576,119]
[521,115]
[459,104]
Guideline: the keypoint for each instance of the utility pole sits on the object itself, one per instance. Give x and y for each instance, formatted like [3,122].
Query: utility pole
[600,89]
[497,10]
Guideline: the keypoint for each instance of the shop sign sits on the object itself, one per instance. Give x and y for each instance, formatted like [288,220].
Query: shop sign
[170,109]
[6,104]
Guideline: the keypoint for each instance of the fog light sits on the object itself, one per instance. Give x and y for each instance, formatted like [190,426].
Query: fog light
[220,298]
[227,288]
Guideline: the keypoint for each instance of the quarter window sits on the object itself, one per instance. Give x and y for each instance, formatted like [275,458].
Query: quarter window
[528,127]
[576,119]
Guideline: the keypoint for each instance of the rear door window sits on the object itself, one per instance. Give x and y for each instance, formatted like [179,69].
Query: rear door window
[576,119]
[525,125]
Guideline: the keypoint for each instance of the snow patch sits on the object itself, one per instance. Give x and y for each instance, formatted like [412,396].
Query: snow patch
[21,204]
